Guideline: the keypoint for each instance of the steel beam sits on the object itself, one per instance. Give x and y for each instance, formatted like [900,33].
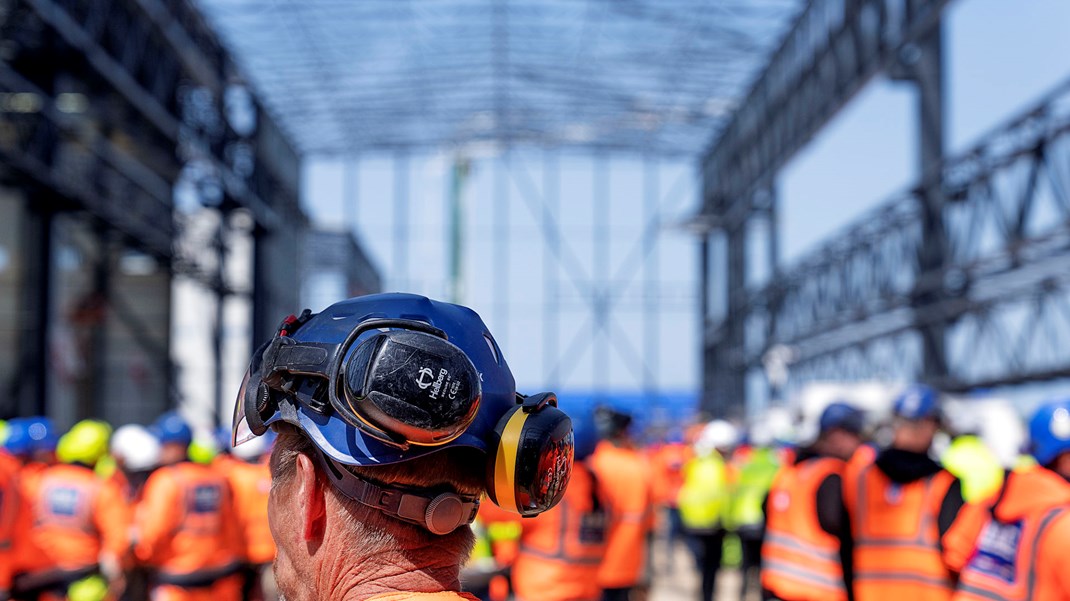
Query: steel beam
[832,51]
[1003,230]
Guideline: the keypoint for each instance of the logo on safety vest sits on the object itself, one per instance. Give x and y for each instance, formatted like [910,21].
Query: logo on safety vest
[781,500]
[63,501]
[997,551]
[206,499]
[894,494]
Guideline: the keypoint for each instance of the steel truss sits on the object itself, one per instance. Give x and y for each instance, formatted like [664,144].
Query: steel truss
[644,76]
[833,50]
[155,107]
[853,308]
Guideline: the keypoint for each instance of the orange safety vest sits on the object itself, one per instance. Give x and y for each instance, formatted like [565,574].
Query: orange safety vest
[10,508]
[560,550]
[250,484]
[800,561]
[624,478]
[187,530]
[1018,555]
[77,516]
[897,553]
[668,463]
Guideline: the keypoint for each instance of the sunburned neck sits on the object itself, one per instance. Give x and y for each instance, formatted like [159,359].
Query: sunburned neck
[407,571]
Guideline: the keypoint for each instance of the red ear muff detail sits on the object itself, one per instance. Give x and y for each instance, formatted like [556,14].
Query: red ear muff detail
[531,462]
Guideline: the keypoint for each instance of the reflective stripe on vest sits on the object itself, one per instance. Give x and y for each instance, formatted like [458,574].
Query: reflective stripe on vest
[788,570]
[780,539]
[925,542]
[968,590]
[800,561]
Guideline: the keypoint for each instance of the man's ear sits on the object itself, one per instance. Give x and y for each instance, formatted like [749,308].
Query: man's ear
[310,501]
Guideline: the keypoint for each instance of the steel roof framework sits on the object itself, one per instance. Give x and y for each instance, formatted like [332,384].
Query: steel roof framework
[656,77]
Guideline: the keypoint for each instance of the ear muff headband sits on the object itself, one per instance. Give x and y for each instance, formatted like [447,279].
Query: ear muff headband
[379,415]
[505,460]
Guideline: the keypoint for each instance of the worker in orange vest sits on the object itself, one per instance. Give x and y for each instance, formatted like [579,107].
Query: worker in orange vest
[668,470]
[81,521]
[1019,553]
[10,509]
[624,476]
[187,531]
[136,454]
[804,557]
[900,507]
[561,550]
[32,442]
[246,469]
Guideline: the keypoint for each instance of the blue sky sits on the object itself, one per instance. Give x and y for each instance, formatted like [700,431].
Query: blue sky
[1000,57]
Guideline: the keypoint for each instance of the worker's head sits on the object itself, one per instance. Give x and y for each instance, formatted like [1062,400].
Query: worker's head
[85,443]
[394,414]
[1049,436]
[613,425]
[32,439]
[175,436]
[841,427]
[585,433]
[135,449]
[719,435]
[917,419]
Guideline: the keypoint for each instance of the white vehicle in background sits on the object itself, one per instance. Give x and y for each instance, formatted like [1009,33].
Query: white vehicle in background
[995,420]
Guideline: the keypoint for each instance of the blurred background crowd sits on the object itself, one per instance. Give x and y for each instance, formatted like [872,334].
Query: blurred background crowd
[712,219]
[653,510]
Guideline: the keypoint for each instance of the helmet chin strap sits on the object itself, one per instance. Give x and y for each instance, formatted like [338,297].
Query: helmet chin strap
[439,514]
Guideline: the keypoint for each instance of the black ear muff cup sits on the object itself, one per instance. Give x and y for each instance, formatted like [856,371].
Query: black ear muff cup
[417,386]
[531,462]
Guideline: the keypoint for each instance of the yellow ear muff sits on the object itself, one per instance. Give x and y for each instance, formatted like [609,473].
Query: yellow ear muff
[504,485]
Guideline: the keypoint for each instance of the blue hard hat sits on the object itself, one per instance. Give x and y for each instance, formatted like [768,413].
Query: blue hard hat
[337,325]
[1049,431]
[840,415]
[222,438]
[585,433]
[28,435]
[918,402]
[172,428]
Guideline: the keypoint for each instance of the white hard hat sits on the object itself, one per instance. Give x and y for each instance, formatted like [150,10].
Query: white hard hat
[138,449]
[761,434]
[718,434]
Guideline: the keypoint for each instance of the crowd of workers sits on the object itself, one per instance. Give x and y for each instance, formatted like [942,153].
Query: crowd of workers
[93,514]
[838,517]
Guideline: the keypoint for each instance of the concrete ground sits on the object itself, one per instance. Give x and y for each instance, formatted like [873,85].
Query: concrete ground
[678,579]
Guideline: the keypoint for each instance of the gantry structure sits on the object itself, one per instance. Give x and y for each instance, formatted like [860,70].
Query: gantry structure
[961,281]
[173,124]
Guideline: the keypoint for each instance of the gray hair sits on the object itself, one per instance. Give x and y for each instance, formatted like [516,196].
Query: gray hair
[374,531]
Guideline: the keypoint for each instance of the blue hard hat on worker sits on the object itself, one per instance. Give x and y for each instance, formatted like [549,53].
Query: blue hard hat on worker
[918,402]
[1049,431]
[585,433]
[27,436]
[385,378]
[841,416]
[172,428]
